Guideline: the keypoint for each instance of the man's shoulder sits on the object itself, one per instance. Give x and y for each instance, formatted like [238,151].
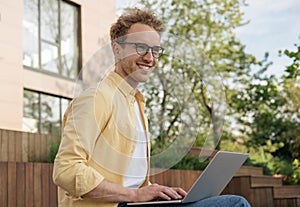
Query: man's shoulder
[105,90]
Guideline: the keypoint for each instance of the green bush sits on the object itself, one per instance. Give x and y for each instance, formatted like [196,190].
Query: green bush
[190,162]
[296,172]
[53,149]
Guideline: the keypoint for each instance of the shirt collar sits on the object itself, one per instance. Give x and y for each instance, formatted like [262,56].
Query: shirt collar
[124,87]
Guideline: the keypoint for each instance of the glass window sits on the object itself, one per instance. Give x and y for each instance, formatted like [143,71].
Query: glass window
[43,113]
[49,58]
[50,115]
[30,34]
[49,21]
[51,37]
[69,40]
[31,112]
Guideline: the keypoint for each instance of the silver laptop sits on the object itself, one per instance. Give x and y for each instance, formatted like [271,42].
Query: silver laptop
[212,180]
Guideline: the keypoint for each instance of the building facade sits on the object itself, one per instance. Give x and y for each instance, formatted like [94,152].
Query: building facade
[44,44]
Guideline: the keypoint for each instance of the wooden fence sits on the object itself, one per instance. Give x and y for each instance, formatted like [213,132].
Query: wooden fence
[26,147]
[27,184]
[30,184]
[175,177]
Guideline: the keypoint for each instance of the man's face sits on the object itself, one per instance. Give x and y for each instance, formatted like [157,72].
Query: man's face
[134,67]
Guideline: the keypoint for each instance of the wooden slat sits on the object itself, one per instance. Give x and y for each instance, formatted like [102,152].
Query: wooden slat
[47,144]
[3,183]
[50,141]
[11,146]
[240,186]
[25,149]
[259,181]
[4,145]
[53,189]
[176,182]
[45,184]
[175,177]
[262,196]
[11,184]
[287,191]
[0,144]
[286,202]
[43,147]
[19,147]
[31,148]
[29,197]
[21,182]
[250,170]
[37,184]
[37,147]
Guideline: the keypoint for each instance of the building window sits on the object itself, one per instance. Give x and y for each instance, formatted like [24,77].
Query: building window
[43,113]
[51,37]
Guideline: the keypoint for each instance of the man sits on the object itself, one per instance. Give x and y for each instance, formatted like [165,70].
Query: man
[103,159]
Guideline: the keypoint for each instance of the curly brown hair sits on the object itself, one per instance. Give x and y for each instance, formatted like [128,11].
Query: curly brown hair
[132,16]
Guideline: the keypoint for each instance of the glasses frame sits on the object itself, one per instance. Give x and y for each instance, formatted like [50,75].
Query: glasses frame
[160,49]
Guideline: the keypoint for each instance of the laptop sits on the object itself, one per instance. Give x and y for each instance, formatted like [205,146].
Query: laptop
[211,181]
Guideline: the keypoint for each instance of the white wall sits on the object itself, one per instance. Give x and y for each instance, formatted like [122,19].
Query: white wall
[11,91]
[96,18]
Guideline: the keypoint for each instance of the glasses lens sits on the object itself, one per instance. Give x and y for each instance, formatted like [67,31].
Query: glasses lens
[141,48]
[156,51]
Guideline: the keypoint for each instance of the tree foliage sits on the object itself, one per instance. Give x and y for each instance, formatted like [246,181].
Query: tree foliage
[268,113]
[201,51]
[185,97]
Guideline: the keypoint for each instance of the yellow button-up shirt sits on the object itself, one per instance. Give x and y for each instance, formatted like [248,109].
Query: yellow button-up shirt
[99,135]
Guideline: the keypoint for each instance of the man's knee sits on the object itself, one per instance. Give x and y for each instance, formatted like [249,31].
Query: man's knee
[239,201]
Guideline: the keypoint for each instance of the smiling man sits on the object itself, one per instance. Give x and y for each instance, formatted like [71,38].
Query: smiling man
[103,159]
[137,56]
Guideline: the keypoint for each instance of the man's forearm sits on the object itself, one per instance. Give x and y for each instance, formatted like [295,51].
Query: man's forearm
[111,192]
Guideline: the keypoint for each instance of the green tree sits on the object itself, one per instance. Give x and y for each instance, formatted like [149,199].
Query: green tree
[268,116]
[187,97]
[290,82]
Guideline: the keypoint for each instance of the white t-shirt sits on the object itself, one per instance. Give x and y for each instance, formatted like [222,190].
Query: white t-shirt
[137,169]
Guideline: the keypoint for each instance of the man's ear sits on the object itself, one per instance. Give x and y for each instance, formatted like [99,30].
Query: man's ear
[116,49]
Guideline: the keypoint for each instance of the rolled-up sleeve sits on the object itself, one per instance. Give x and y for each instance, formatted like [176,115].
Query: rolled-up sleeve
[81,128]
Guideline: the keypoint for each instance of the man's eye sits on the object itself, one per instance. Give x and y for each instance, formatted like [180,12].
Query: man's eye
[156,49]
[142,47]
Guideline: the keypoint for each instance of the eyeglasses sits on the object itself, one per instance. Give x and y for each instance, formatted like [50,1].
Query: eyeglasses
[142,49]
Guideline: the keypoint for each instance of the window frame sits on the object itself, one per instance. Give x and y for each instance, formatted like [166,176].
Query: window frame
[40,41]
[39,119]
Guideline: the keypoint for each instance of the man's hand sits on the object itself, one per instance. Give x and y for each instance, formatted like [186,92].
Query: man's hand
[155,191]
[111,192]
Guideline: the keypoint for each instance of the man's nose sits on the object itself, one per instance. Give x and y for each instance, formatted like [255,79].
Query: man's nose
[148,56]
